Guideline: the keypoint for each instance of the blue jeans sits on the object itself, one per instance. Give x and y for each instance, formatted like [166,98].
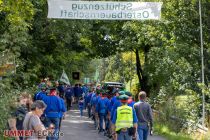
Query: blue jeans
[107,124]
[124,136]
[102,120]
[143,132]
[81,111]
[55,122]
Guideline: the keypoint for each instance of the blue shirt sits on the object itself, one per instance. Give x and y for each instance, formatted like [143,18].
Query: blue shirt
[135,120]
[88,99]
[40,95]
[63,108]
[78,91]
[115,106]
[102,105]
[93,99]
[112,101]
[85,89]
[60,89]
[54,106]
[81,104]
[69,92]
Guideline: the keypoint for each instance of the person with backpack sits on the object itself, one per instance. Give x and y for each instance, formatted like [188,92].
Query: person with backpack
[144,114]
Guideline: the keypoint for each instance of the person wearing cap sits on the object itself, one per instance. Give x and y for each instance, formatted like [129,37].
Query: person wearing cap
[53,111]
[42,93]
[102,111]
[144,114]
[117,103]
[130,99]
[124,120]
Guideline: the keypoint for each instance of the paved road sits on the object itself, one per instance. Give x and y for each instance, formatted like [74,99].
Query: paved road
[75,127]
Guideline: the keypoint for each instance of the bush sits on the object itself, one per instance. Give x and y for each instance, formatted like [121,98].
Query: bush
[180,113]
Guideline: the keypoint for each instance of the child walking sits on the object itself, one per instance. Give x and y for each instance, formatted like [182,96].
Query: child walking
[81,106]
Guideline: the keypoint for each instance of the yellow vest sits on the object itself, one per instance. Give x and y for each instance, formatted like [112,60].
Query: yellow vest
[124,117]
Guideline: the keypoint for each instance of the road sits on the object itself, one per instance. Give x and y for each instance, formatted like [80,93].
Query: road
[75,127]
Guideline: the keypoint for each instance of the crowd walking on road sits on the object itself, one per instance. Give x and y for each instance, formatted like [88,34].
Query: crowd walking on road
[114,112]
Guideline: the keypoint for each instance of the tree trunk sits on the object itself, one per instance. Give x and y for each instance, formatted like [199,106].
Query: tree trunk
[140,71]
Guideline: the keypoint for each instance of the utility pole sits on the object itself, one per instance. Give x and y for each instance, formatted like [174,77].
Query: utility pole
[131,70]
[202,65]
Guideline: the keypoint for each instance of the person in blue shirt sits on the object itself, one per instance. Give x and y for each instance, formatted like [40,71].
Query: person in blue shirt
[125,133]
[61,89]
[117,103]
[52,112]
[113,99]
[62,113]
[85,89]
[77,92]
[81,106]
[130,99]
[42,93]
[69,93]
[102,110]
[87,102]
[94,100]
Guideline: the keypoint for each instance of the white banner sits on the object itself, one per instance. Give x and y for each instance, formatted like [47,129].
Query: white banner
[104,10]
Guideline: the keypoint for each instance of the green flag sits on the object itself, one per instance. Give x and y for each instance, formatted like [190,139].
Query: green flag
[64,78]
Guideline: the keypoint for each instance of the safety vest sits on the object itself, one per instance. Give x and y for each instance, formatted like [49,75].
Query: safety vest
[124,117]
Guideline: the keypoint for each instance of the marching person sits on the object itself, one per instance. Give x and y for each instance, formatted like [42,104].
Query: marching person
[102,110]
[69,94]
[124,120]
[130,99]
[53,111]
[61,89]
[81,106]
[93,102]
[144,114]
[41,93]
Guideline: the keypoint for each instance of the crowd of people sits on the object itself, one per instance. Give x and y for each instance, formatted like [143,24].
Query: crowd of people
[114,112]
[117,115]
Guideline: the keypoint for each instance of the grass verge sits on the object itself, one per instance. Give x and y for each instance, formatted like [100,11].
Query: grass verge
[169,135]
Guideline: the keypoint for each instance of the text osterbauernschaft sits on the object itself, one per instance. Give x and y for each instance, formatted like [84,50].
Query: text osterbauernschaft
[103,11]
